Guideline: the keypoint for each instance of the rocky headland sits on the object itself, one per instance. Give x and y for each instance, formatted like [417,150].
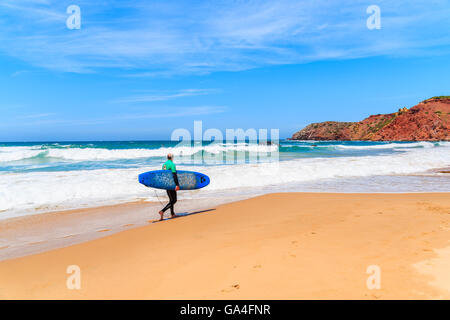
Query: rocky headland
[427,121]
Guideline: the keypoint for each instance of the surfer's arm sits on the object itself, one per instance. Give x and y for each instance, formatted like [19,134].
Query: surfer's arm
[175,178]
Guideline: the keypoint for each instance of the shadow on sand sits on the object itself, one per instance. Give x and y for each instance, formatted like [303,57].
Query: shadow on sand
[182,215]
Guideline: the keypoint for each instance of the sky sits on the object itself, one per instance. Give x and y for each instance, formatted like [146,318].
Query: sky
[137,70]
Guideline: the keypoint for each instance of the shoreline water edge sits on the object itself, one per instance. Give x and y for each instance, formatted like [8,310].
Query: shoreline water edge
[37,178]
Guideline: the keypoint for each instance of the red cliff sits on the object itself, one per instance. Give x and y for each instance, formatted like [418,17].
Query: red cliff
[427,121]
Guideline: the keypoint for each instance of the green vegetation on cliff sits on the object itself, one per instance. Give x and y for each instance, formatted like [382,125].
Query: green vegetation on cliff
[439,98]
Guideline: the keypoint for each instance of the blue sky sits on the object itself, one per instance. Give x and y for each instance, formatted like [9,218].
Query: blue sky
[140,69]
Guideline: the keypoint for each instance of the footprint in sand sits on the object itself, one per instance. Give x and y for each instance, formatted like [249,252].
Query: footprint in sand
[128,225]
[104,230]
[34,243]
[234,287]
[4,247]
[439,209]
[69,236]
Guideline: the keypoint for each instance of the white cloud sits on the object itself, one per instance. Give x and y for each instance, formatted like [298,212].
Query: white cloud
[18,73]
[35,115]
[174,112]
[147,38]
[45,119]
[163,96]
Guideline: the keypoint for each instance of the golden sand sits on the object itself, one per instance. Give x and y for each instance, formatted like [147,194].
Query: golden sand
[276,246]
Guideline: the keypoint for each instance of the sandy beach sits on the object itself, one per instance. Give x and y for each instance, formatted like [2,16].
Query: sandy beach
[276,246]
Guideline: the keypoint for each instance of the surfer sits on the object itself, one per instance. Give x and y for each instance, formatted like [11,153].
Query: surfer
[169,165]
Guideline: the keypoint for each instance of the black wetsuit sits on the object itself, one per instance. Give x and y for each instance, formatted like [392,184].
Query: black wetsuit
[172,196]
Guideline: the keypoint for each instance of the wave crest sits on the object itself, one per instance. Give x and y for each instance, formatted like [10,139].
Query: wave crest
[9,154]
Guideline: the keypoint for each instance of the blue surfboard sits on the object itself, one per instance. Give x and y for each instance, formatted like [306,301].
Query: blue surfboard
[163,179]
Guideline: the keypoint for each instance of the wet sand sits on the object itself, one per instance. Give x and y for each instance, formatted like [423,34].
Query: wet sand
[31,234]
[276,246]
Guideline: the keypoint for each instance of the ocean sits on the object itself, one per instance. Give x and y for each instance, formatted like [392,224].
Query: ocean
[52,176]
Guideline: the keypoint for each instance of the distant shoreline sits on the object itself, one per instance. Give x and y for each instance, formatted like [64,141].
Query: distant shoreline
[427,121]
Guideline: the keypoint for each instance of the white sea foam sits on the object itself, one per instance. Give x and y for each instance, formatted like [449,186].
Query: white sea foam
[44,191]
[68,153]
[393,145]
[8,154]
[387,145]
[18,153]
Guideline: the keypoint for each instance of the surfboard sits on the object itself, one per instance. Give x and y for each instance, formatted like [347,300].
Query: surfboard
[163,179]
